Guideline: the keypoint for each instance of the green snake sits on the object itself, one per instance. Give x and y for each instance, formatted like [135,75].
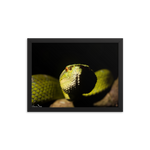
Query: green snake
[75,81]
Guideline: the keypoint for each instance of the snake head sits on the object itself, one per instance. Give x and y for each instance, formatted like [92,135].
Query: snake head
[77,79]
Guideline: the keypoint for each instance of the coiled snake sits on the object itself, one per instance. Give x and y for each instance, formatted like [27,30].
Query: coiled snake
[75,81]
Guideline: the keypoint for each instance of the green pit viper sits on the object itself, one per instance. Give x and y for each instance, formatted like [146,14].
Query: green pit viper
[76,80]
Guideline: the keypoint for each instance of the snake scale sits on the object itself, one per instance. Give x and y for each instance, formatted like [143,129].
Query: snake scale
[75,81]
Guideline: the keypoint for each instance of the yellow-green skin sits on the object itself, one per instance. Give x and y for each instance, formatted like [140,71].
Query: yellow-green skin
[104,81]
[46,88]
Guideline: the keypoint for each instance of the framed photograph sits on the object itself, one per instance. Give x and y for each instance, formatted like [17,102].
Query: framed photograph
[84,75]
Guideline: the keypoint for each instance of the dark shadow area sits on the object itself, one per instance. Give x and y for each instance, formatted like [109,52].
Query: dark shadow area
[52,58]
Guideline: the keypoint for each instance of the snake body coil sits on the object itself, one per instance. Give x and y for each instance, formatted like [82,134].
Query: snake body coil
[45,88]
[75,80]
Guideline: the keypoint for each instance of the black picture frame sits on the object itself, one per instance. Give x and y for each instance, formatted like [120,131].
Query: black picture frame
[120,40]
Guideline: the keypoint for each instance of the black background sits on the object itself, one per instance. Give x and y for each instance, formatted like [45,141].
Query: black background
[52,58]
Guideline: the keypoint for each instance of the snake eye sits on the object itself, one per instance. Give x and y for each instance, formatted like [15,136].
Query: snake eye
[70,67]
[66,69]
